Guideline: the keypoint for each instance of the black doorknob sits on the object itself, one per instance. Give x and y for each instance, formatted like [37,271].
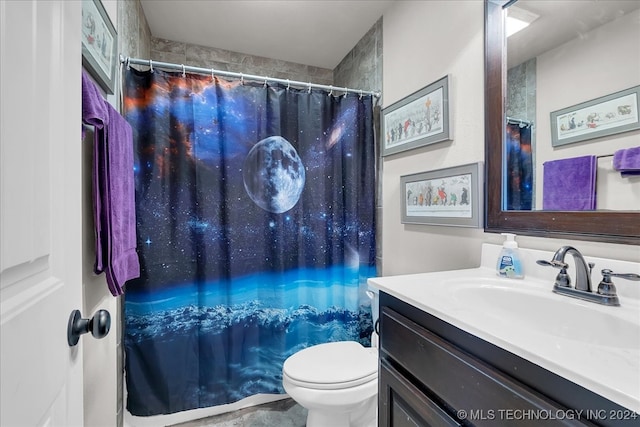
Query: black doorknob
[98,325]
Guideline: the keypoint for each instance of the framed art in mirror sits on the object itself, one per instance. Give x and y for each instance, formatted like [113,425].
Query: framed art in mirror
[602,226]
[419,119]
[604,116]
[99,44]
[449,196]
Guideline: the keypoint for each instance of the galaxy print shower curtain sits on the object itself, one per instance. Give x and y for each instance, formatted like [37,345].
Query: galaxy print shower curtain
[519,168]
[255,224]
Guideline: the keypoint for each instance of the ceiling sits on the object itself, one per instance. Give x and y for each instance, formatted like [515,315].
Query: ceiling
[560,21]
[322,32]
[310,32]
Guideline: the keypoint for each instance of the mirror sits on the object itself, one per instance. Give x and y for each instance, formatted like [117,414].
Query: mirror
[597,225]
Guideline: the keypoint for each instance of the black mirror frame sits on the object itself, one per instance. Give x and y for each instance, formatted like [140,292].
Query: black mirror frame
[601,226]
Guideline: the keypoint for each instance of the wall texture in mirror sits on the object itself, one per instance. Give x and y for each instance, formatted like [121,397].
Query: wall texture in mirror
[572,52]
[617,218]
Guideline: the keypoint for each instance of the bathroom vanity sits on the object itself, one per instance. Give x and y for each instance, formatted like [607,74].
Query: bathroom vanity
[454,353]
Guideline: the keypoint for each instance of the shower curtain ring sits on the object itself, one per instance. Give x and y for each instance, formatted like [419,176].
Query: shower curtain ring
[241,79]
[151,65]
[360,93]
[128,62]
[183,73]
[345,92]
[213,77]
[309,86]
[288,84]
[265,81]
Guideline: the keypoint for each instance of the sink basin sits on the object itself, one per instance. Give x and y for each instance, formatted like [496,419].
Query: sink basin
[592,345]
[535,309]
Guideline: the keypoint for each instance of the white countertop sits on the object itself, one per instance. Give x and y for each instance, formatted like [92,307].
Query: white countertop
[583,348]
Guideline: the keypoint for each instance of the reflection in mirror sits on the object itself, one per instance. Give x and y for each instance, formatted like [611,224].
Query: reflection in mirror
[559,146]
[615,226]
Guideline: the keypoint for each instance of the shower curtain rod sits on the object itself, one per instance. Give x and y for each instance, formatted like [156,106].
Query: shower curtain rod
[522,123]
[198,70]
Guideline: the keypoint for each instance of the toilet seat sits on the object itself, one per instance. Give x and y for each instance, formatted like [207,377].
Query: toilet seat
[332,366]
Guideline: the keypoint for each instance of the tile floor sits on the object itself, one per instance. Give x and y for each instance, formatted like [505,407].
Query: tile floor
[282,413]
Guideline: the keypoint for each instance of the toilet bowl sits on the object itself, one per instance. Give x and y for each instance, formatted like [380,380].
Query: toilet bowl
[336,382]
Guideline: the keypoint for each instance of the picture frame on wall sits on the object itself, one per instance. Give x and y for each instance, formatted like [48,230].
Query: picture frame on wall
[604,116]
[419,119]
[99,44]
[450,197]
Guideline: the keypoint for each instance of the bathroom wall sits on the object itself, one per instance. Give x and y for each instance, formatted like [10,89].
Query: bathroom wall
[100,364]
[103,359]
[563,82]
[420,46]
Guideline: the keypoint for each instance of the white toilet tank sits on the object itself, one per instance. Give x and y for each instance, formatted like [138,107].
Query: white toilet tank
[374,296]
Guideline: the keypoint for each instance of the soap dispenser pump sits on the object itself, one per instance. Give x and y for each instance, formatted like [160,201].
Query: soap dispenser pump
[509,262]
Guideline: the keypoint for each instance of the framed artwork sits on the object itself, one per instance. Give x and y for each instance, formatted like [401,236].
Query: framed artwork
[604,116]
[99,44]
[421,118]
[450,196]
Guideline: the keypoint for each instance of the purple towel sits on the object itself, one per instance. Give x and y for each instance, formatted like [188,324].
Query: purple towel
[119,204]
[113,187]
[94,108]
[627,161]
[569,184]
[96,114]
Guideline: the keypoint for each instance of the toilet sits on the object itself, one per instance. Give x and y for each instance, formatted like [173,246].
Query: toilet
[337,382]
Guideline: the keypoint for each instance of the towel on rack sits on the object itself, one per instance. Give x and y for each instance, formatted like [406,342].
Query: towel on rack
[627,161]
[113,188]
[96,114]
[119,203]
[569,184]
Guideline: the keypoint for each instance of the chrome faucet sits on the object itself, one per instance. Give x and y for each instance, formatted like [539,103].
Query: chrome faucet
[606,292]
[582,289]
[583,270]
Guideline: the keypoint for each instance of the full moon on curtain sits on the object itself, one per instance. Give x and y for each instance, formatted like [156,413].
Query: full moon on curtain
[256,234]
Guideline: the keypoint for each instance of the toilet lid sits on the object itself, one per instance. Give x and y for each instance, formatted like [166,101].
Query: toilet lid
[332,365]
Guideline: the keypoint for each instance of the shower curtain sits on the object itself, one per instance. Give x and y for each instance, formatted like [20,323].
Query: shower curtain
[518,168]
[256,234]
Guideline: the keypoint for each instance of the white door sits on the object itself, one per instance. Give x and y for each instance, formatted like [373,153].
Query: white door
[40,212]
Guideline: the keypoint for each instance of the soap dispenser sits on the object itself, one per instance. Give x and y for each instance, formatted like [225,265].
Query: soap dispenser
[509,262]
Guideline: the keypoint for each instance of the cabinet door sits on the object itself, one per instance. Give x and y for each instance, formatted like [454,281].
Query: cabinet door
[404,405]
[482,394]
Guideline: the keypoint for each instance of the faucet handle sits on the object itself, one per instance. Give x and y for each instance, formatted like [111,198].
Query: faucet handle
[562,279]
[607,274]
[556,264]
[606,286]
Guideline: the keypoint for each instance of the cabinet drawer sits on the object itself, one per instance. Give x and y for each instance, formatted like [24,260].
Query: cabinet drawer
[404,405]
[460,380]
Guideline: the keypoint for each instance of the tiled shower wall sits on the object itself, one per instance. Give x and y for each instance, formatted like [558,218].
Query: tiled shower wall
[133,30]
[521,91]
[210,57]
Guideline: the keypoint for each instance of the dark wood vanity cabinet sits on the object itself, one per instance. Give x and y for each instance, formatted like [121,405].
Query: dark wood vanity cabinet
[434,374]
